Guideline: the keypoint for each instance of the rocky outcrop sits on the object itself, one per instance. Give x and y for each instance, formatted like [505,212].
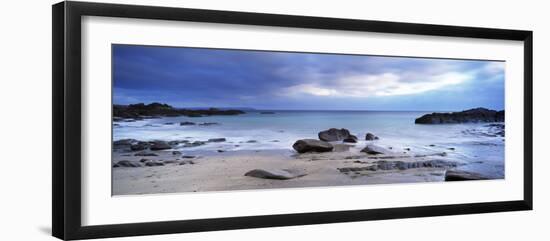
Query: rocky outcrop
[375,150]
[468,116]
[152,110]
[312,145]
[279,174]
[455,175]
[370,137]
[334,134]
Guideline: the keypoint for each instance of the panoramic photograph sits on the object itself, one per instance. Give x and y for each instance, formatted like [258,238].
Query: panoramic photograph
[200,119]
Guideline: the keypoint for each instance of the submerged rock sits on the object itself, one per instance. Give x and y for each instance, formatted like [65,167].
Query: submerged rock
[187,123]
[279,174]
[375,150]
[312,145]
[124,142]
[455,175]
[208,123]
[140,146]
[370,137]
[160,145]
[145,153]
[468,116]
[216,140]
[334,134]
[194,144]
[126,163]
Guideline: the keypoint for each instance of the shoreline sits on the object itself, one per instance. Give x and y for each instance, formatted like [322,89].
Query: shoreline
[226,171]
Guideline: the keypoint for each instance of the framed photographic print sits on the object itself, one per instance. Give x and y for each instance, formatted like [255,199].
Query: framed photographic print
[169,120]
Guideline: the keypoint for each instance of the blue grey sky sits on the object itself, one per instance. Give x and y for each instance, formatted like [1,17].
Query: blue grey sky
[198,77]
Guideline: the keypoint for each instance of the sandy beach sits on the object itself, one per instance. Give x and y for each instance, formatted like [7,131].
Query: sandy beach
[226,171]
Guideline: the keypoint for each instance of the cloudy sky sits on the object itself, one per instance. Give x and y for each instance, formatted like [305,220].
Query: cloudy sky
[193,77]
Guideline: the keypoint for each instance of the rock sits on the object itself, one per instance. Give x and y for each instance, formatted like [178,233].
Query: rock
[468,116]
[275,141]
[145,153]
[194,144]
[169,123]
[370,137]
[216,140]
[152,163]
[123,143]
[170,161]
[187,123]
[144,160]
[451,148]
[188,157]
[252,141]
[351,139]
[176,153]
[140,146]
[126,163]
[208,123]
[401,165]
[187,162]
[407,149]
[279,174]
[334,134]
[312,145]
[455,175]
[221,150]
[375,150]
[160,145]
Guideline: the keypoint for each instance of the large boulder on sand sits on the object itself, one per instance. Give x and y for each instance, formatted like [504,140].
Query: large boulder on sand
[160,145]
[455,175]
[334,134]
[280,174]
[312,145]
[375,150]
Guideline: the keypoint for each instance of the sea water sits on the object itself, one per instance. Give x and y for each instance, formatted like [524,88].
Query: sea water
[255,130]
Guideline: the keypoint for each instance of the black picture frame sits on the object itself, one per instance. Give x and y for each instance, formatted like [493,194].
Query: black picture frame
[66,158]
